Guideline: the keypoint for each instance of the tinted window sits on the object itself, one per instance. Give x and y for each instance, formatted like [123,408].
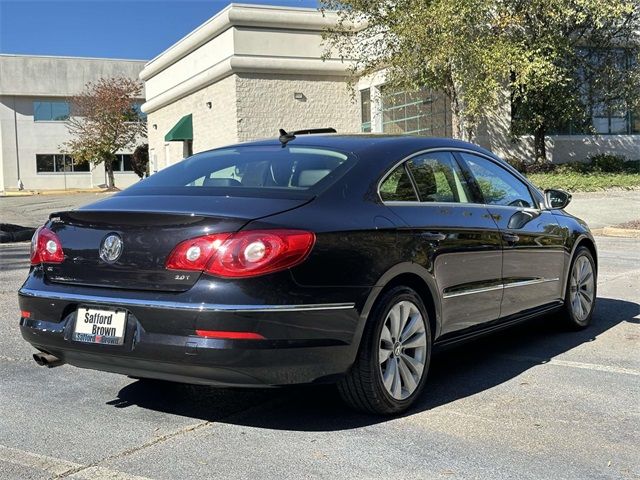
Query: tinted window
[122,163]
[257,168]
[59,163]
[397,187]
[498,186]
[365,109]
[44,163]
[49,111]
[439,178]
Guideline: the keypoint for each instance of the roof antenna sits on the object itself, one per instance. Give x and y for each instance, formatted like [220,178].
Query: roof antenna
[285,137]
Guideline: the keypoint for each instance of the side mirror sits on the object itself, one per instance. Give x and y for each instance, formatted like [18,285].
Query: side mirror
[557,199]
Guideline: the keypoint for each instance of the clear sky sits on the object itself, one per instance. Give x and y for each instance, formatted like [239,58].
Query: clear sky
[133,29]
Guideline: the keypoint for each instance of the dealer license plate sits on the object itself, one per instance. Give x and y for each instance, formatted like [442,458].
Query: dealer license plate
[95,325]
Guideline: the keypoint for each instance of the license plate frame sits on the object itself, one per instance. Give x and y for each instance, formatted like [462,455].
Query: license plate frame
[100,325]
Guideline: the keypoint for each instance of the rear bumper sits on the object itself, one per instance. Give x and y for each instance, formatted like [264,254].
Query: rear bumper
[303,343]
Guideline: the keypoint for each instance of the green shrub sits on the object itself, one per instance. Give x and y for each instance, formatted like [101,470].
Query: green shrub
[597,164]
[573,167]
[518,164]
[608,163]
[541,167]
[632,166]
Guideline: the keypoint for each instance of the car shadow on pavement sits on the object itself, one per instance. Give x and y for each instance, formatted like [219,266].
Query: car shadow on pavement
[455,373]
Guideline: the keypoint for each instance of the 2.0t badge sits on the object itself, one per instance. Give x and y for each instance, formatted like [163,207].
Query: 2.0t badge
[111,248]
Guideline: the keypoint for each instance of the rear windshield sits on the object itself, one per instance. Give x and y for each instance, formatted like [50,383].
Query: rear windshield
[250,170]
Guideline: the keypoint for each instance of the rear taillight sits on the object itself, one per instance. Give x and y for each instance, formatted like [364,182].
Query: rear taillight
[242,254]
[46,247]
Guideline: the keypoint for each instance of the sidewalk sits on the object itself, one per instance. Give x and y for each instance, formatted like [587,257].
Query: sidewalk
[604,209]
[29,193]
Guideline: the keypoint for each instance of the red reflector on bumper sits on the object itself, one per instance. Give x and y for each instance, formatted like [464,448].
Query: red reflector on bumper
[25,314]
[229,335]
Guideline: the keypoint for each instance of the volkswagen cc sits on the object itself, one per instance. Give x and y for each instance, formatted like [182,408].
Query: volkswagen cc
[306,259]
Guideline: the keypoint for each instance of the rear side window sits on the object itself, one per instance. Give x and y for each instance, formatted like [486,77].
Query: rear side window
[439,178]
[256,168]
[397,187]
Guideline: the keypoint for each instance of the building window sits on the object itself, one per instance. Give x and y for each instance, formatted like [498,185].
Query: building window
[135,113]
[604,116]
[50,111]
[365,109]
[122,163]
[59,163]
[418,113]
[137,108]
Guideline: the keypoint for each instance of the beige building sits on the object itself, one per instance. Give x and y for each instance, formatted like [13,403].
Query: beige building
[252,69]
[243,74]
[34,92]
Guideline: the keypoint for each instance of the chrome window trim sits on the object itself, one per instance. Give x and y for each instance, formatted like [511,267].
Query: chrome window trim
[517,175]
[201,307]
[502,286]
[473,291]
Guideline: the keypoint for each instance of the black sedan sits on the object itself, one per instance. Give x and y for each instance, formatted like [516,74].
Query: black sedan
[321,258]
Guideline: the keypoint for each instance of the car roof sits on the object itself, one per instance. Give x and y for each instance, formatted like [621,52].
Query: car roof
[365,144]
[380,149]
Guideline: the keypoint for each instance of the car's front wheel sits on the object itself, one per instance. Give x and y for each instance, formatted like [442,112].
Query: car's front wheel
[391,367]
[580,297]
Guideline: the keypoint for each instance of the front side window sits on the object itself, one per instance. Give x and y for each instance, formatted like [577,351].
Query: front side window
[439,178]
[497,185]
[50,111]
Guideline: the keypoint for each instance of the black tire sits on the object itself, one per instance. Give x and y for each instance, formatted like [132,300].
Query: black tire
[573,319]
[362,387]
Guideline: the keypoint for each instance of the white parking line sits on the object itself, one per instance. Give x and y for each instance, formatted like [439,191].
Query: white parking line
[568,363]
[100,473]
[57,467]
[50,465]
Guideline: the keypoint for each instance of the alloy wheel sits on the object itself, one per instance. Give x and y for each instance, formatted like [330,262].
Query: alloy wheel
[582,288]
[402,350]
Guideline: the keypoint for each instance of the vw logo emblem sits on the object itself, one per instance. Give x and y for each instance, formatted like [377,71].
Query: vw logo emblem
[111,248]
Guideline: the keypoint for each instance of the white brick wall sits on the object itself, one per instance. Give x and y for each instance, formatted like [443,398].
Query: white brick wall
[266,103]
[212,127]
[247,107]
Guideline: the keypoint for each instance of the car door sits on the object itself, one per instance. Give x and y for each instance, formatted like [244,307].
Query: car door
[533,241]
[449,234]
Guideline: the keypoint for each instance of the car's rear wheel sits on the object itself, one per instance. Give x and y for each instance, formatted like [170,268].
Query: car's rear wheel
[391,367]
[580,297]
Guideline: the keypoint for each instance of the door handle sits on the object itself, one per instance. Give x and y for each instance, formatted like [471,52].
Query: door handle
[510,237]
[433,236]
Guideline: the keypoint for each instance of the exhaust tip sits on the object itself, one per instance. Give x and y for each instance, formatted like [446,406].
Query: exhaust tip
[47,360]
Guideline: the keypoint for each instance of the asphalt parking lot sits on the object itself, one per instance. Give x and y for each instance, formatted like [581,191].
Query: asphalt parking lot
[532,402]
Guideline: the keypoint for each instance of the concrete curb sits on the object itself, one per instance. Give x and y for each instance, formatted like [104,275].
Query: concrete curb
[23,193]
[620,232]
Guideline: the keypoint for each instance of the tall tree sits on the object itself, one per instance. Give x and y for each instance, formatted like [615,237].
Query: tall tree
[472,50]
[457,47]
[578,60]
[104,120]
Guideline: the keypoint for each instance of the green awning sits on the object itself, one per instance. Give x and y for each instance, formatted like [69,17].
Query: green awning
[183,130]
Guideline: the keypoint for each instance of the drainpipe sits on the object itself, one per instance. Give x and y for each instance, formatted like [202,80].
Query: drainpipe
[15,129]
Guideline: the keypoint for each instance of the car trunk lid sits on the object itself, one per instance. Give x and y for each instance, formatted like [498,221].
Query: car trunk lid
[149,227]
